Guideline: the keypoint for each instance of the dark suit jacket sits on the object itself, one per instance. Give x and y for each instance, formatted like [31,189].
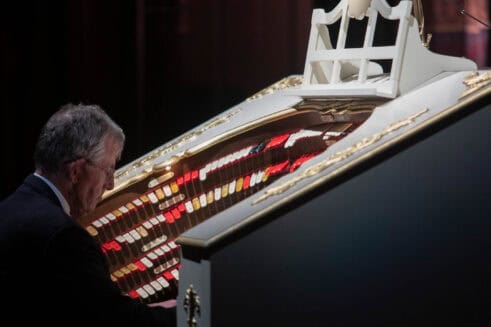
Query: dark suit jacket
[53,272]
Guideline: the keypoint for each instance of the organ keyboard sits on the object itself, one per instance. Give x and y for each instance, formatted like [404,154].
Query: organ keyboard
[198,217]
[137,226]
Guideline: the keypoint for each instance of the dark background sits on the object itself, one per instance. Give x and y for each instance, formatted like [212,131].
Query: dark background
[159,68]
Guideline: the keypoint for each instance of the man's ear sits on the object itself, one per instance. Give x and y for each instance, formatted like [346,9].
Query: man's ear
[75,169]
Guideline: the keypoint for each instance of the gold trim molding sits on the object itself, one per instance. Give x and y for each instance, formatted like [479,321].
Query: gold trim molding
[284,83]
[475,81]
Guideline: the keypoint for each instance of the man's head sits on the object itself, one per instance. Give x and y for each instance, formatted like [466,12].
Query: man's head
[77,150]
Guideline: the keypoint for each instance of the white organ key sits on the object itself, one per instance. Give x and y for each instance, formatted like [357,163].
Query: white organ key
[189,207]
[161,218]
[259,177]
[231,187]
[202,174]
[167,190]
[110,216]
[97,224]
[202,200]
[146,262]
[143,294]
[253,180]
[153,197]
[218,193]
[163,281]
[123,209]
[149,289]
[128,238]
[156,285]
[135,234]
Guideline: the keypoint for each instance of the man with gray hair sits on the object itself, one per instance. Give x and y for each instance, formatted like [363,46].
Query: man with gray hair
[48,260]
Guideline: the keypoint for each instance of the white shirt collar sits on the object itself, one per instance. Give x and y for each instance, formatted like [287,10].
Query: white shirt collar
[61,198]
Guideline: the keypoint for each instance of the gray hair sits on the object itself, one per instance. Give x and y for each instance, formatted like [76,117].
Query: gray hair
[74,132]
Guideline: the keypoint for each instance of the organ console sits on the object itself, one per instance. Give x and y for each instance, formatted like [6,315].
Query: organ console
[301,191]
